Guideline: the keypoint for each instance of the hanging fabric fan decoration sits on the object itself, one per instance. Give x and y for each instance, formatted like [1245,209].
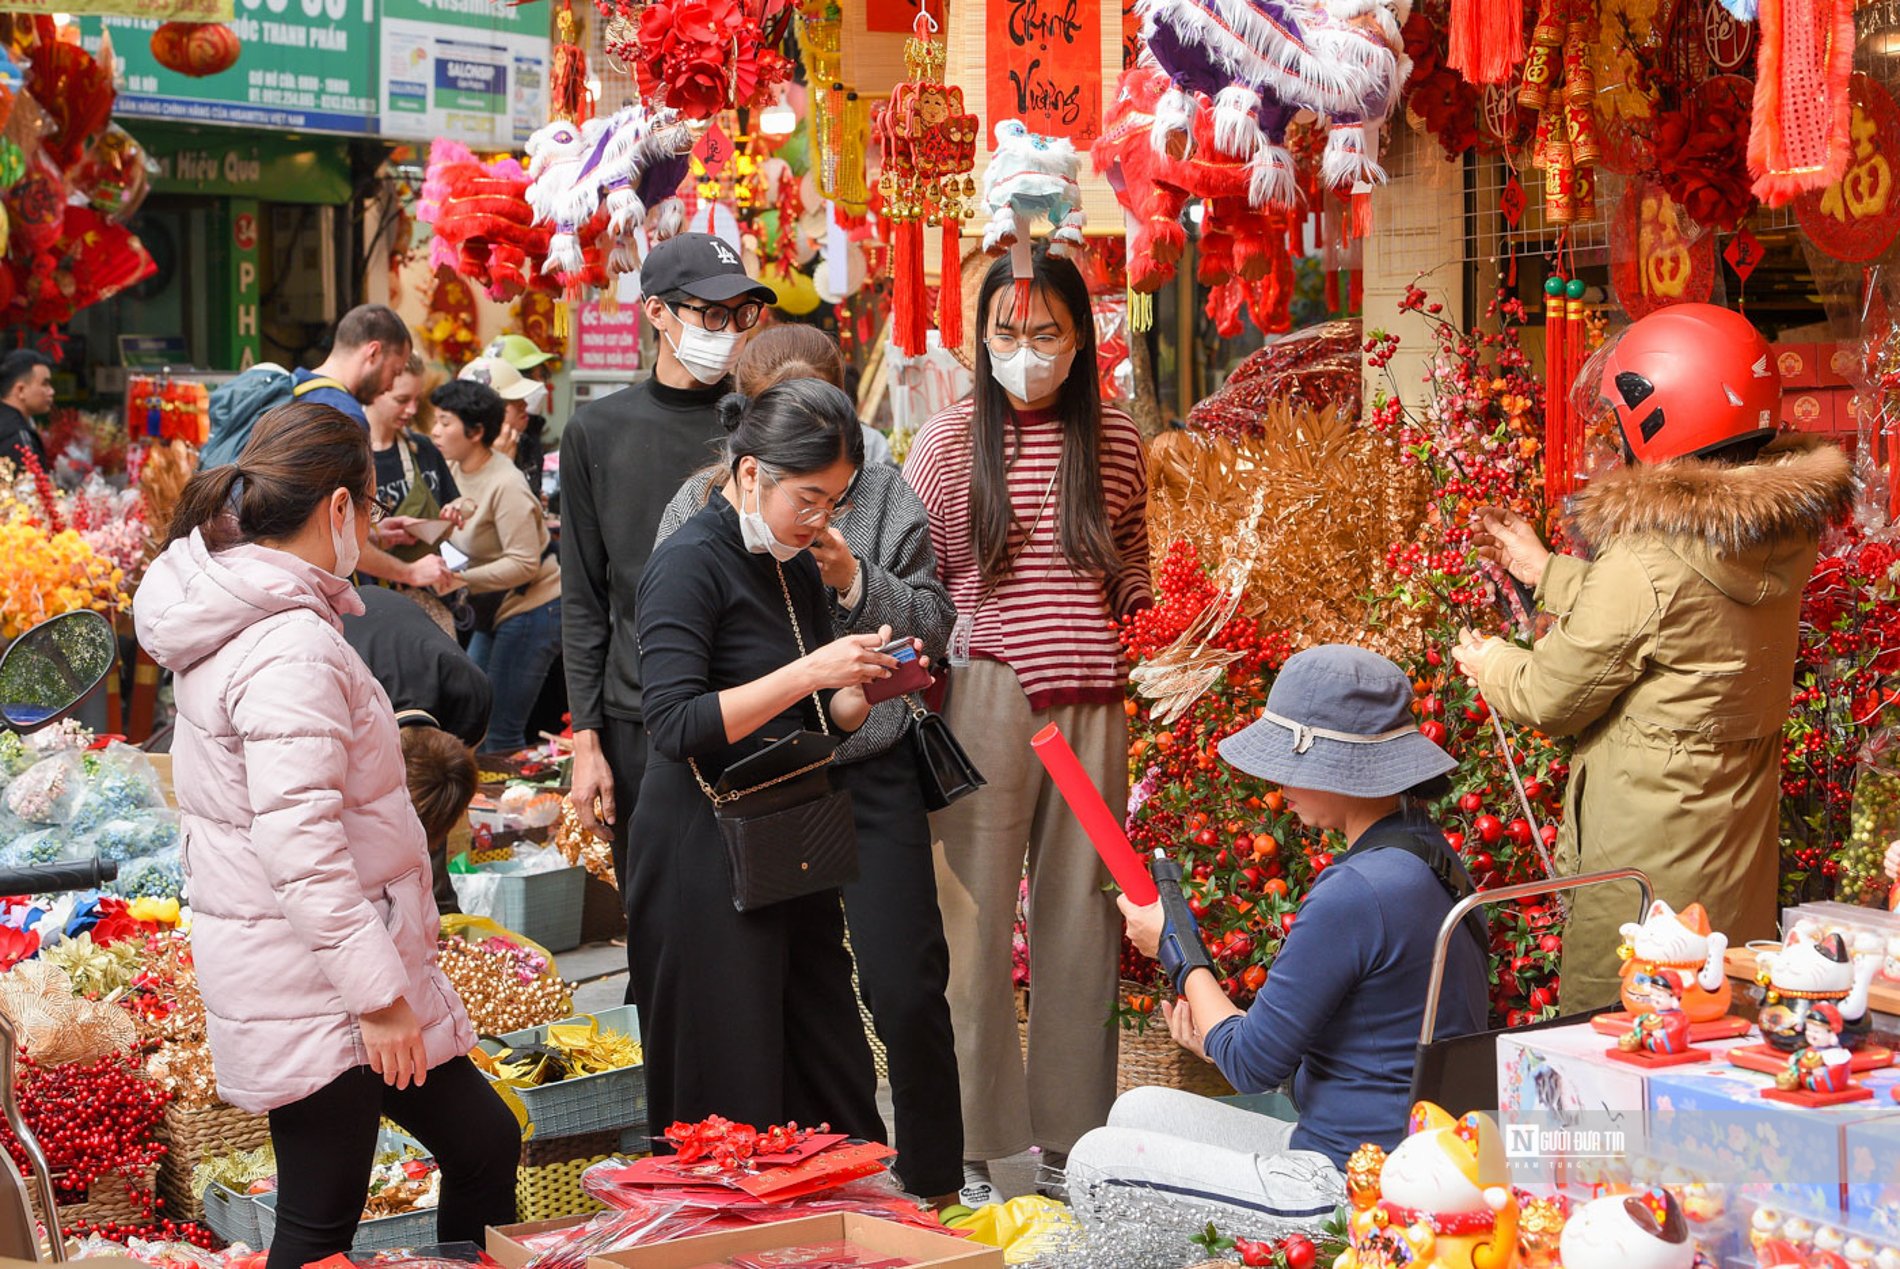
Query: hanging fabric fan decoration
[701,56]
[1030,175]
[929,144]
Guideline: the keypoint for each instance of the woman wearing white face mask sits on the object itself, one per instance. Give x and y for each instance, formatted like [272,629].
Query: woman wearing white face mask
[314,925]
[1038,502]
[750,1015]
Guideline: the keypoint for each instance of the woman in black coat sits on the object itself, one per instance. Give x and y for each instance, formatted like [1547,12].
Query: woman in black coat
[749,1015]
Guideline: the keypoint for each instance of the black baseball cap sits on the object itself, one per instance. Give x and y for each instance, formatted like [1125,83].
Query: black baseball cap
[703,266]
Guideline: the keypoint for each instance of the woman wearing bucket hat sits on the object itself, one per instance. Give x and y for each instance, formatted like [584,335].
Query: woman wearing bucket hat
[1340,1012]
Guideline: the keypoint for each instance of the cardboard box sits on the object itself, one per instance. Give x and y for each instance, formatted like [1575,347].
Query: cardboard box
[505,1241]
[1570,1115]
[920,1246]
[1713,1122]
[1798,365]
[1873,1176]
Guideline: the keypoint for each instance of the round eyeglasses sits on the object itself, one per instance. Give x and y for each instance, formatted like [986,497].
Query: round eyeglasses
[1005,344]
[716,317]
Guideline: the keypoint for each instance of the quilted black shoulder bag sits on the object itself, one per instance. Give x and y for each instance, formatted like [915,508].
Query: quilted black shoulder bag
[787,827]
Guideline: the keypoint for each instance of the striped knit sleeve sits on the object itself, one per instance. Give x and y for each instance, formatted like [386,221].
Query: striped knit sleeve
[1132,587]
[926,469]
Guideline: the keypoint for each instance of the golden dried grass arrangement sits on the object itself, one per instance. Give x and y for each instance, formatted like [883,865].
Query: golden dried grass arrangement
[1311,505]
[162,479]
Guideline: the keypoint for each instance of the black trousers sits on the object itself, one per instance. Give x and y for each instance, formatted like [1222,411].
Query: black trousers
[749,1015]
[624,743]
[326,1144]
[904,966]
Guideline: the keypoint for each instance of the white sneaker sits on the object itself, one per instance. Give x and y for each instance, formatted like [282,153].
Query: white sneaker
[978,1190]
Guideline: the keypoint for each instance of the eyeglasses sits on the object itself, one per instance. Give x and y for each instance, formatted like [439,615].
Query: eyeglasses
[716,317]
[811,515]
[1005,343]
[380,510]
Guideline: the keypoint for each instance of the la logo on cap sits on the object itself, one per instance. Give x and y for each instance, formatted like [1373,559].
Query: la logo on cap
[724,252]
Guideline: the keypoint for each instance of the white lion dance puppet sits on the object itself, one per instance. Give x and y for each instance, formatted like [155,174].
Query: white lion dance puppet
[1029,176]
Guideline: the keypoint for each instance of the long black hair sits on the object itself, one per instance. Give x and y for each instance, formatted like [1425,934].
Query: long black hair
[797,426]
[1081,512]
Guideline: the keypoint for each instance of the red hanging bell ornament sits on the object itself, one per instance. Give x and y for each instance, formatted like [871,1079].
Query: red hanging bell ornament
[196,49]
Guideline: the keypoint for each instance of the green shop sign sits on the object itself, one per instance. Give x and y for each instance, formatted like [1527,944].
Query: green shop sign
[272,168]
[474,70]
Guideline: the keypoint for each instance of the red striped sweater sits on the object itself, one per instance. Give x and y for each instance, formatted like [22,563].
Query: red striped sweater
[1045,620]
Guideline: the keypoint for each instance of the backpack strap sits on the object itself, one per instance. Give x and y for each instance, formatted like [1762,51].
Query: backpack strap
[1427,845]
[318,381]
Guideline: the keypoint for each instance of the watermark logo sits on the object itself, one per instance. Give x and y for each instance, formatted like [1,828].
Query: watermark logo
[1535,1141]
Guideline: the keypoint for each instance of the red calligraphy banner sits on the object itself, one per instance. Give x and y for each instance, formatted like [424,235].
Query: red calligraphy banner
[897,15]
[1045,66]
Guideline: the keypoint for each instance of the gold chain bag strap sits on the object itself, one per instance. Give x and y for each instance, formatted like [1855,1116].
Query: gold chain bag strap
[786,836]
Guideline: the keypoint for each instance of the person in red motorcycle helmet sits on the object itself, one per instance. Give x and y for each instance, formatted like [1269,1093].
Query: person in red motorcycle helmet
[1671,659]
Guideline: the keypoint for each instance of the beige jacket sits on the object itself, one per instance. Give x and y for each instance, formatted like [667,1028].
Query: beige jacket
[1672,662]
[506,538]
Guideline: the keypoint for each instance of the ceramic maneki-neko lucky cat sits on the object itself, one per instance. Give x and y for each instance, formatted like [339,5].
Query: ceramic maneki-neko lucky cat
[1682,943]
[1441,1199]
[1804,973]
[1628,1231]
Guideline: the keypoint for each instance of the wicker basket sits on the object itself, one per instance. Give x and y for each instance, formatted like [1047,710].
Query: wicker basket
[194,1135]
[611,1100]
[548,1181]
[110,1199]
[880,1059]
[1152,1057]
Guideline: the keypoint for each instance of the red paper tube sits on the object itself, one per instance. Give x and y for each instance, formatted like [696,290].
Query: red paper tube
[1101,824]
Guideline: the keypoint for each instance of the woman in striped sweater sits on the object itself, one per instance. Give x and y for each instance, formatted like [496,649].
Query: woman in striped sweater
[1038,500]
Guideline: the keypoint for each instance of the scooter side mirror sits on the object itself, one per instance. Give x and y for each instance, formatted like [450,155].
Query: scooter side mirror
[50,669]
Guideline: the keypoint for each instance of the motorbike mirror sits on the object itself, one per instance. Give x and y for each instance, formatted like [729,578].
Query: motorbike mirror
[47,671]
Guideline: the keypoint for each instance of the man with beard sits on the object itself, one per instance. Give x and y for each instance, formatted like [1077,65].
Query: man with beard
[370,349]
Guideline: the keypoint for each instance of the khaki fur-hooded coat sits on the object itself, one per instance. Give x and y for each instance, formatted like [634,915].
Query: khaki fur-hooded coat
[1672,662]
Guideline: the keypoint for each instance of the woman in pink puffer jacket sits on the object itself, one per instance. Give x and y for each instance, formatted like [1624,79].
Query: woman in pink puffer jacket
[314,924]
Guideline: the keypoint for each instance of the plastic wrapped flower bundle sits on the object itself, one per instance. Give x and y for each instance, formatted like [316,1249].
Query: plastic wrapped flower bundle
[64,799]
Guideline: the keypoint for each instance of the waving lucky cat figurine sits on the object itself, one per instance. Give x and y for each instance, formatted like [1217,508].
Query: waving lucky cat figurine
[1441,1200]
[1803,974]
[1682,942]
[1628,1231]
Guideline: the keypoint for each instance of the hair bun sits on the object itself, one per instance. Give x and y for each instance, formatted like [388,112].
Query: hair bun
[731,410]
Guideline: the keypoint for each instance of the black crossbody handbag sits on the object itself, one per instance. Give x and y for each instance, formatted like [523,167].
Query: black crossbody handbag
[944,770]
[787,827]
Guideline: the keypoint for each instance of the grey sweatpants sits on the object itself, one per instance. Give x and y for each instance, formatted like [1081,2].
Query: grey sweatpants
[1185,1160]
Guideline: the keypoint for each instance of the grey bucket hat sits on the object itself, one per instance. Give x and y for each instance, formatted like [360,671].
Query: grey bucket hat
[1339,719]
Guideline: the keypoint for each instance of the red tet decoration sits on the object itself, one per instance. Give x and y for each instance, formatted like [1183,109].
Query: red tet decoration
[1856,218]
[196,49]
[1665,258]
[1743,253]
[728,1145]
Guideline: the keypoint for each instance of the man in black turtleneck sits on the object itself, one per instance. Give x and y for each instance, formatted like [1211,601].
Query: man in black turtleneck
[622,460]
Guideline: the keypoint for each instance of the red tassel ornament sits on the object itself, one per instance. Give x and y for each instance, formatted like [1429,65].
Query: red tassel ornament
[1486,39]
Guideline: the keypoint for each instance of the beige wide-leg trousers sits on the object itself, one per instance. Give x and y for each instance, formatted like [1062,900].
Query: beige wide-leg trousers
[982,844]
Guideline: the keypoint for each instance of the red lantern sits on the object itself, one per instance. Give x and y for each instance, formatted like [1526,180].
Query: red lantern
[195,48]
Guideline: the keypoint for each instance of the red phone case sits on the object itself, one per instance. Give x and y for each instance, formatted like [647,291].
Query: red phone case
[909,676]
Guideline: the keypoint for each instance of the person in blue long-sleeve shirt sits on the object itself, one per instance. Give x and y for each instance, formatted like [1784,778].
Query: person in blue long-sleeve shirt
[1340,1013]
